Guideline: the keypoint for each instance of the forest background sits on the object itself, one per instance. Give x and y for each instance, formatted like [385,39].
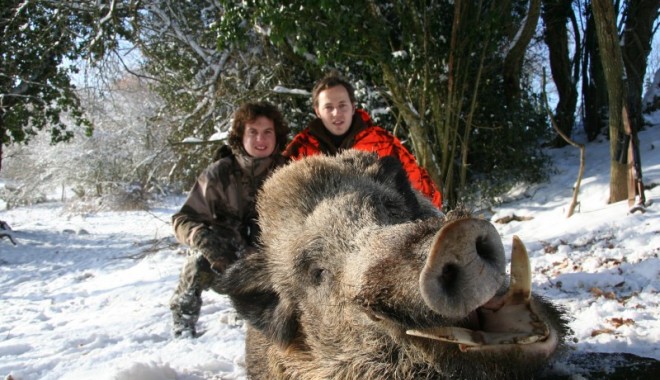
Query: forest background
[116,102]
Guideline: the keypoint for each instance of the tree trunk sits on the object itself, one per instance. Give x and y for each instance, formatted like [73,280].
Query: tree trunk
[594,88]
[454,102]
[556,14]
[611,58]
[2,137]
[514,58]
[637,36]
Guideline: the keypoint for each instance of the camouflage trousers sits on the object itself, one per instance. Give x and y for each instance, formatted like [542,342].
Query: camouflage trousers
[186,302]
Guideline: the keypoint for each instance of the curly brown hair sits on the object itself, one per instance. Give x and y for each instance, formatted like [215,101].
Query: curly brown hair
[249,112]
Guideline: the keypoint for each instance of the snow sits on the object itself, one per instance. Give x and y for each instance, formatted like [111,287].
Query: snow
[219,136]
[400,54]
[285,90]
[86,295]
[653,92]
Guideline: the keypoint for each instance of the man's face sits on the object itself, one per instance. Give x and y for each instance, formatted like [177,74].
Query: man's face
[335,109]
[259,137]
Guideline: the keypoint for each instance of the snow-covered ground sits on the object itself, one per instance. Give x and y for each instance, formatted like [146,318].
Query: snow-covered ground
[86,296]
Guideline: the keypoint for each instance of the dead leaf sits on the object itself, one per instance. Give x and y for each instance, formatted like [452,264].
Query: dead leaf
[618,322]
[512,218]
[612,262]
[601,331]
[610,295]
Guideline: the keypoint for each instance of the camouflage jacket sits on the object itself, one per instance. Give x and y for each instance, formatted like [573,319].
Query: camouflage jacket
[224,196]
[364,135]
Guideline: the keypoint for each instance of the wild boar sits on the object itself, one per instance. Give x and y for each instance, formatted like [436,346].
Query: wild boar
[361,277]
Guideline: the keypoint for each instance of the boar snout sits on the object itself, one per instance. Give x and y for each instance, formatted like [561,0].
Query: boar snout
[465,268]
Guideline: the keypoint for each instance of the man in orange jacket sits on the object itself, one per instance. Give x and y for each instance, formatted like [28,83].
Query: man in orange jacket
[339,125]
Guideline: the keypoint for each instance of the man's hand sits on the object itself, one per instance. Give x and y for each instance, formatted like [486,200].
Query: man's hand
[219,266]
[219,250]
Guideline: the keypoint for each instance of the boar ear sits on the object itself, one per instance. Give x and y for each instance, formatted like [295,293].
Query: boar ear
[247,283]
[391,171]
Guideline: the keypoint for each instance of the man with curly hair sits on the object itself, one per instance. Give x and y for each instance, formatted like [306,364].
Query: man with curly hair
[218,219]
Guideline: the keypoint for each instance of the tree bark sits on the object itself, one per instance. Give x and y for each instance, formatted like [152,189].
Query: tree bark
[594,88]
[612,60]
[2,137]
[514,58]
[556,14]
[637,36]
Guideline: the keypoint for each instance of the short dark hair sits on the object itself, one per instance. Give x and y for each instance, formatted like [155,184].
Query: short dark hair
[332,79]
[249,112]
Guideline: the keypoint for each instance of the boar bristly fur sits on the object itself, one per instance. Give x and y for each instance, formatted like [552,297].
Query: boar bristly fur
[336,286]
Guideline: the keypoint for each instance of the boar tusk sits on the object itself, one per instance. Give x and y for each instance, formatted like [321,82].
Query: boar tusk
[451,335]
[520,289]
[520,284]
[467,337]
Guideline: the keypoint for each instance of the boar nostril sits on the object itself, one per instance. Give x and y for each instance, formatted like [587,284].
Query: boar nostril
[449,276]
[486,250]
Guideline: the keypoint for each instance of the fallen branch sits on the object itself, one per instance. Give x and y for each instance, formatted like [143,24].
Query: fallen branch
[8,236]
[513,218]
[576,189]
[4,226]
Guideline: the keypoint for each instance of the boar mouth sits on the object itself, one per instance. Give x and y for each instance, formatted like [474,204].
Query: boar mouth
[505,322]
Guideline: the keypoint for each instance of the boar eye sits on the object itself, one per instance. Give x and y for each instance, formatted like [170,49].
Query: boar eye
[317,275]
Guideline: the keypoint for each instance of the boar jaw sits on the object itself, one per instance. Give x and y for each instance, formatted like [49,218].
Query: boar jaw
[508,322]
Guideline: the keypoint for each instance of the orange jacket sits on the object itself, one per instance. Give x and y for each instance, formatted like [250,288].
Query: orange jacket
[363,135]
